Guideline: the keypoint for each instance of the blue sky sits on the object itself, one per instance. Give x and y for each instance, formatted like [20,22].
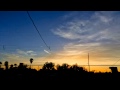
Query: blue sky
[70,35]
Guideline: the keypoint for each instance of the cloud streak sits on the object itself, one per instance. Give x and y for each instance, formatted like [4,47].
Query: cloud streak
[26,53]
[46,51]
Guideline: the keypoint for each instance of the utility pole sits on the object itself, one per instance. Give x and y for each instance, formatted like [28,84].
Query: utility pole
[88,62]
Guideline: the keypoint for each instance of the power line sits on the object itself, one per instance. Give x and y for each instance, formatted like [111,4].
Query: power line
[38,30]
[116,62]
[88,62]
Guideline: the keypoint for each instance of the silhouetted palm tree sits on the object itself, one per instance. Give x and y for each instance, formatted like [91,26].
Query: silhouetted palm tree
[31,60]
[0,64]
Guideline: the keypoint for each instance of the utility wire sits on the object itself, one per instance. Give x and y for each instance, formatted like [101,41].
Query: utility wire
[38,30]
[116,62]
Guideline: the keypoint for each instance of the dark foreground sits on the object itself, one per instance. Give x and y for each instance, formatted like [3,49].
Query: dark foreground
[61,80]
[64,77]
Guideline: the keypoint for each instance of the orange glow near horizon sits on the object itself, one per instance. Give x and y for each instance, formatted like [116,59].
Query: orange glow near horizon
[92,68]
[70,58]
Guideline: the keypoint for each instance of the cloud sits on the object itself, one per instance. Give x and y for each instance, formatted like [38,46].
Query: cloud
[21,52]
[46,51]
[12,58]
[26,53]
[98,34]
[29,51]
[97,26]
[18,56]
[69,15]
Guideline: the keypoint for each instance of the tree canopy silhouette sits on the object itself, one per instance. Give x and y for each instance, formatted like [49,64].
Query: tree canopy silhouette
[48,66]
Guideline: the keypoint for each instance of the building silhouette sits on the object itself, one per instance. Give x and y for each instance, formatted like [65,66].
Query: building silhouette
[114,69]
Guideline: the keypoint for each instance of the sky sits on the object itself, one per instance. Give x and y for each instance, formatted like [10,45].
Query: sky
[71,35]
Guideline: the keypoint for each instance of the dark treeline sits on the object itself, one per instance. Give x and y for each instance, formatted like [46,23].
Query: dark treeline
[48,73]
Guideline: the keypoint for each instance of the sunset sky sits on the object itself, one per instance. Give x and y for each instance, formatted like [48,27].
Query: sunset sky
[71,35]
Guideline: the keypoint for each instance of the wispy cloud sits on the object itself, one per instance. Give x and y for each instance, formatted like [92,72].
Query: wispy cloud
[18,56]
[98,25]
[30,53]
[46,51]
[98,34]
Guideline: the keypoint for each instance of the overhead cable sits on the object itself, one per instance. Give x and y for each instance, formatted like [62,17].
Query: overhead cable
[38,31]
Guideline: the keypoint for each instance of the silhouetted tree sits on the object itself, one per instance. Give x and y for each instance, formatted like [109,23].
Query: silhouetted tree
[31,60]
[65,66]
[75,67]
[6,65]
[11,66]
[48,66]
[22,66]
[0,64]
[58,67]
